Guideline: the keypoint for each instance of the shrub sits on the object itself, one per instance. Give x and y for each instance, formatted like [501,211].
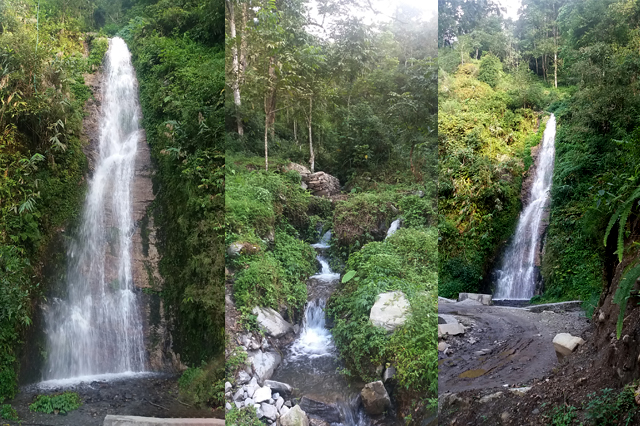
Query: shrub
[61,403]
[203,386]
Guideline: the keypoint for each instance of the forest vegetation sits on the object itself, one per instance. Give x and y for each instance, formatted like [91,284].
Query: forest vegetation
[178,53]
[578,59]
[357,101]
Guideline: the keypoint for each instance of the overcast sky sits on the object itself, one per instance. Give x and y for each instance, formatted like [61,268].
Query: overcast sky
[512,8]
[385,9]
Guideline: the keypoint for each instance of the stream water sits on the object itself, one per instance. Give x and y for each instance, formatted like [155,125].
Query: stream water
[517,276]
[94,331]
[311,362]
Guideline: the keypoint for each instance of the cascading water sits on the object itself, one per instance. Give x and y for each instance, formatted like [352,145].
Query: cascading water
[393,228]
[311,362]
[517,276]
[96,329]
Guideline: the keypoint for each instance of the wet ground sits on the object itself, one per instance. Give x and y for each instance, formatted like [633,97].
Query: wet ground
[155,396]
[502,346]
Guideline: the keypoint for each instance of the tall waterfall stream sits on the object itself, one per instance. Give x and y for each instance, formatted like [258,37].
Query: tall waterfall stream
[516,278]
[95,331]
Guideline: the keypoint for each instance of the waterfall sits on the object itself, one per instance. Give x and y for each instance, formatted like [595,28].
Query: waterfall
[517,276]
[311,363]
[393,228]
[96,329]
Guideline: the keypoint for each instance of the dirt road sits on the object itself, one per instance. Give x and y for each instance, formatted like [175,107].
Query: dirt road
[501,346]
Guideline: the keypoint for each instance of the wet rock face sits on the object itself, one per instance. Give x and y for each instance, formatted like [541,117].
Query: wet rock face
[375,398]
[324,411]
[144,253]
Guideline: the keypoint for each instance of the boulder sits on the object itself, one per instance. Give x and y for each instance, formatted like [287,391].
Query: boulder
[302,170]
[327,412]
[294,417]
[390,310]
[264,363]
[279,387]
[234,249]
[375,398]
[322,184]
[450,329]
[271,322]
[485,299]
[565,344]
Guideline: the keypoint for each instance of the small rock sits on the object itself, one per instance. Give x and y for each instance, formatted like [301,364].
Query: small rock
[238,395]
[442,346]
[269,411]
[243,377]
[227,386]
[490,398]
[228,406]
[520,391]
[375,398]
[279,387]
[262,394]
[279,403]
[294,417]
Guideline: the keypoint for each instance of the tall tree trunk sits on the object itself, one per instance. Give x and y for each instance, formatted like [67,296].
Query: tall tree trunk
[295,133]
[235,83]
[413,169]
[266,138]
[269,109]
[312,158]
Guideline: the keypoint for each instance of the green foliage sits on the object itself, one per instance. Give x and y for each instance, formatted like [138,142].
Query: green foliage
[203,386]
[407,262]
[7,412]
[563,415]
[60,403]
[609,407]
[490,70]
[361,218]
[242,417]
[180,69]
[623,292]
[99,47]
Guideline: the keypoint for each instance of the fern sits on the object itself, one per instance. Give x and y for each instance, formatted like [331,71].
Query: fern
[622,294]
[621,213]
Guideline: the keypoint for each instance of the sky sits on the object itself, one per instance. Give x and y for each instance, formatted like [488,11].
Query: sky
[512,8]
[386,9]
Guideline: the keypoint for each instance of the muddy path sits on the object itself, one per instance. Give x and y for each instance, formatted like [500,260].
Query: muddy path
[501,346]
[155,396]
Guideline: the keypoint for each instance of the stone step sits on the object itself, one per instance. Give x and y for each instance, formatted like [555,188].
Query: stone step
[116,420]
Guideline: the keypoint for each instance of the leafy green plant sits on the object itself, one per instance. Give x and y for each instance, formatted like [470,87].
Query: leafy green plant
[203,386]
[7,412]
[563,415]
[608,407]
[60,403]
[242,417]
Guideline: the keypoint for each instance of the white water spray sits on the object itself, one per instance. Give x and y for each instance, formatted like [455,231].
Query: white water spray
[517,276]
[96,328]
